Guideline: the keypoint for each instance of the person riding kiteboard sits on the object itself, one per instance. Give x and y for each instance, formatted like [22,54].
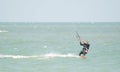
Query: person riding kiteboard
[85,45]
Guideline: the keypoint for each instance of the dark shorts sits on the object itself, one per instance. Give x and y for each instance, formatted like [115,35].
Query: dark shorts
[82,53]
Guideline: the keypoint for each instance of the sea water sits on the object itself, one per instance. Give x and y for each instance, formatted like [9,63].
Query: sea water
[54,47]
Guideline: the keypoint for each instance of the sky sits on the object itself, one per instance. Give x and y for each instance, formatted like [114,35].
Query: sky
[59,10]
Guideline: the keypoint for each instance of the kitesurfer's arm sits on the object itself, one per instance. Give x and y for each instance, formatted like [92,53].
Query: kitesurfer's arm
[81,43]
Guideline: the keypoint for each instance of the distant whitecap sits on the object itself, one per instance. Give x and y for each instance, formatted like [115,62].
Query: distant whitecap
[45,46]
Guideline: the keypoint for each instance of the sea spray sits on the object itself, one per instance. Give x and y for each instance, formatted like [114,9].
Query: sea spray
[48,55]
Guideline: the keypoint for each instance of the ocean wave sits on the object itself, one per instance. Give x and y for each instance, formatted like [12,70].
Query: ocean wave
[49,55]
[3,31]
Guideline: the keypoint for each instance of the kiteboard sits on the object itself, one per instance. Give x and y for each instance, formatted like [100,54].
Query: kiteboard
[83,57]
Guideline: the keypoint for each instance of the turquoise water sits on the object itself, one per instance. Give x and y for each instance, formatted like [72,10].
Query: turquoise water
[53,47]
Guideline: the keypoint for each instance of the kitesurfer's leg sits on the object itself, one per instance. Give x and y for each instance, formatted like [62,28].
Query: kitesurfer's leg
[80,53]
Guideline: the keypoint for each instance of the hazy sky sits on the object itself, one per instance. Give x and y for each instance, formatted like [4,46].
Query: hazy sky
[60,10]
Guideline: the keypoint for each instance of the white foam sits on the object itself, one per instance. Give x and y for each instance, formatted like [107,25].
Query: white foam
[49,55]
[59,55]
[16,56]
[3,31]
